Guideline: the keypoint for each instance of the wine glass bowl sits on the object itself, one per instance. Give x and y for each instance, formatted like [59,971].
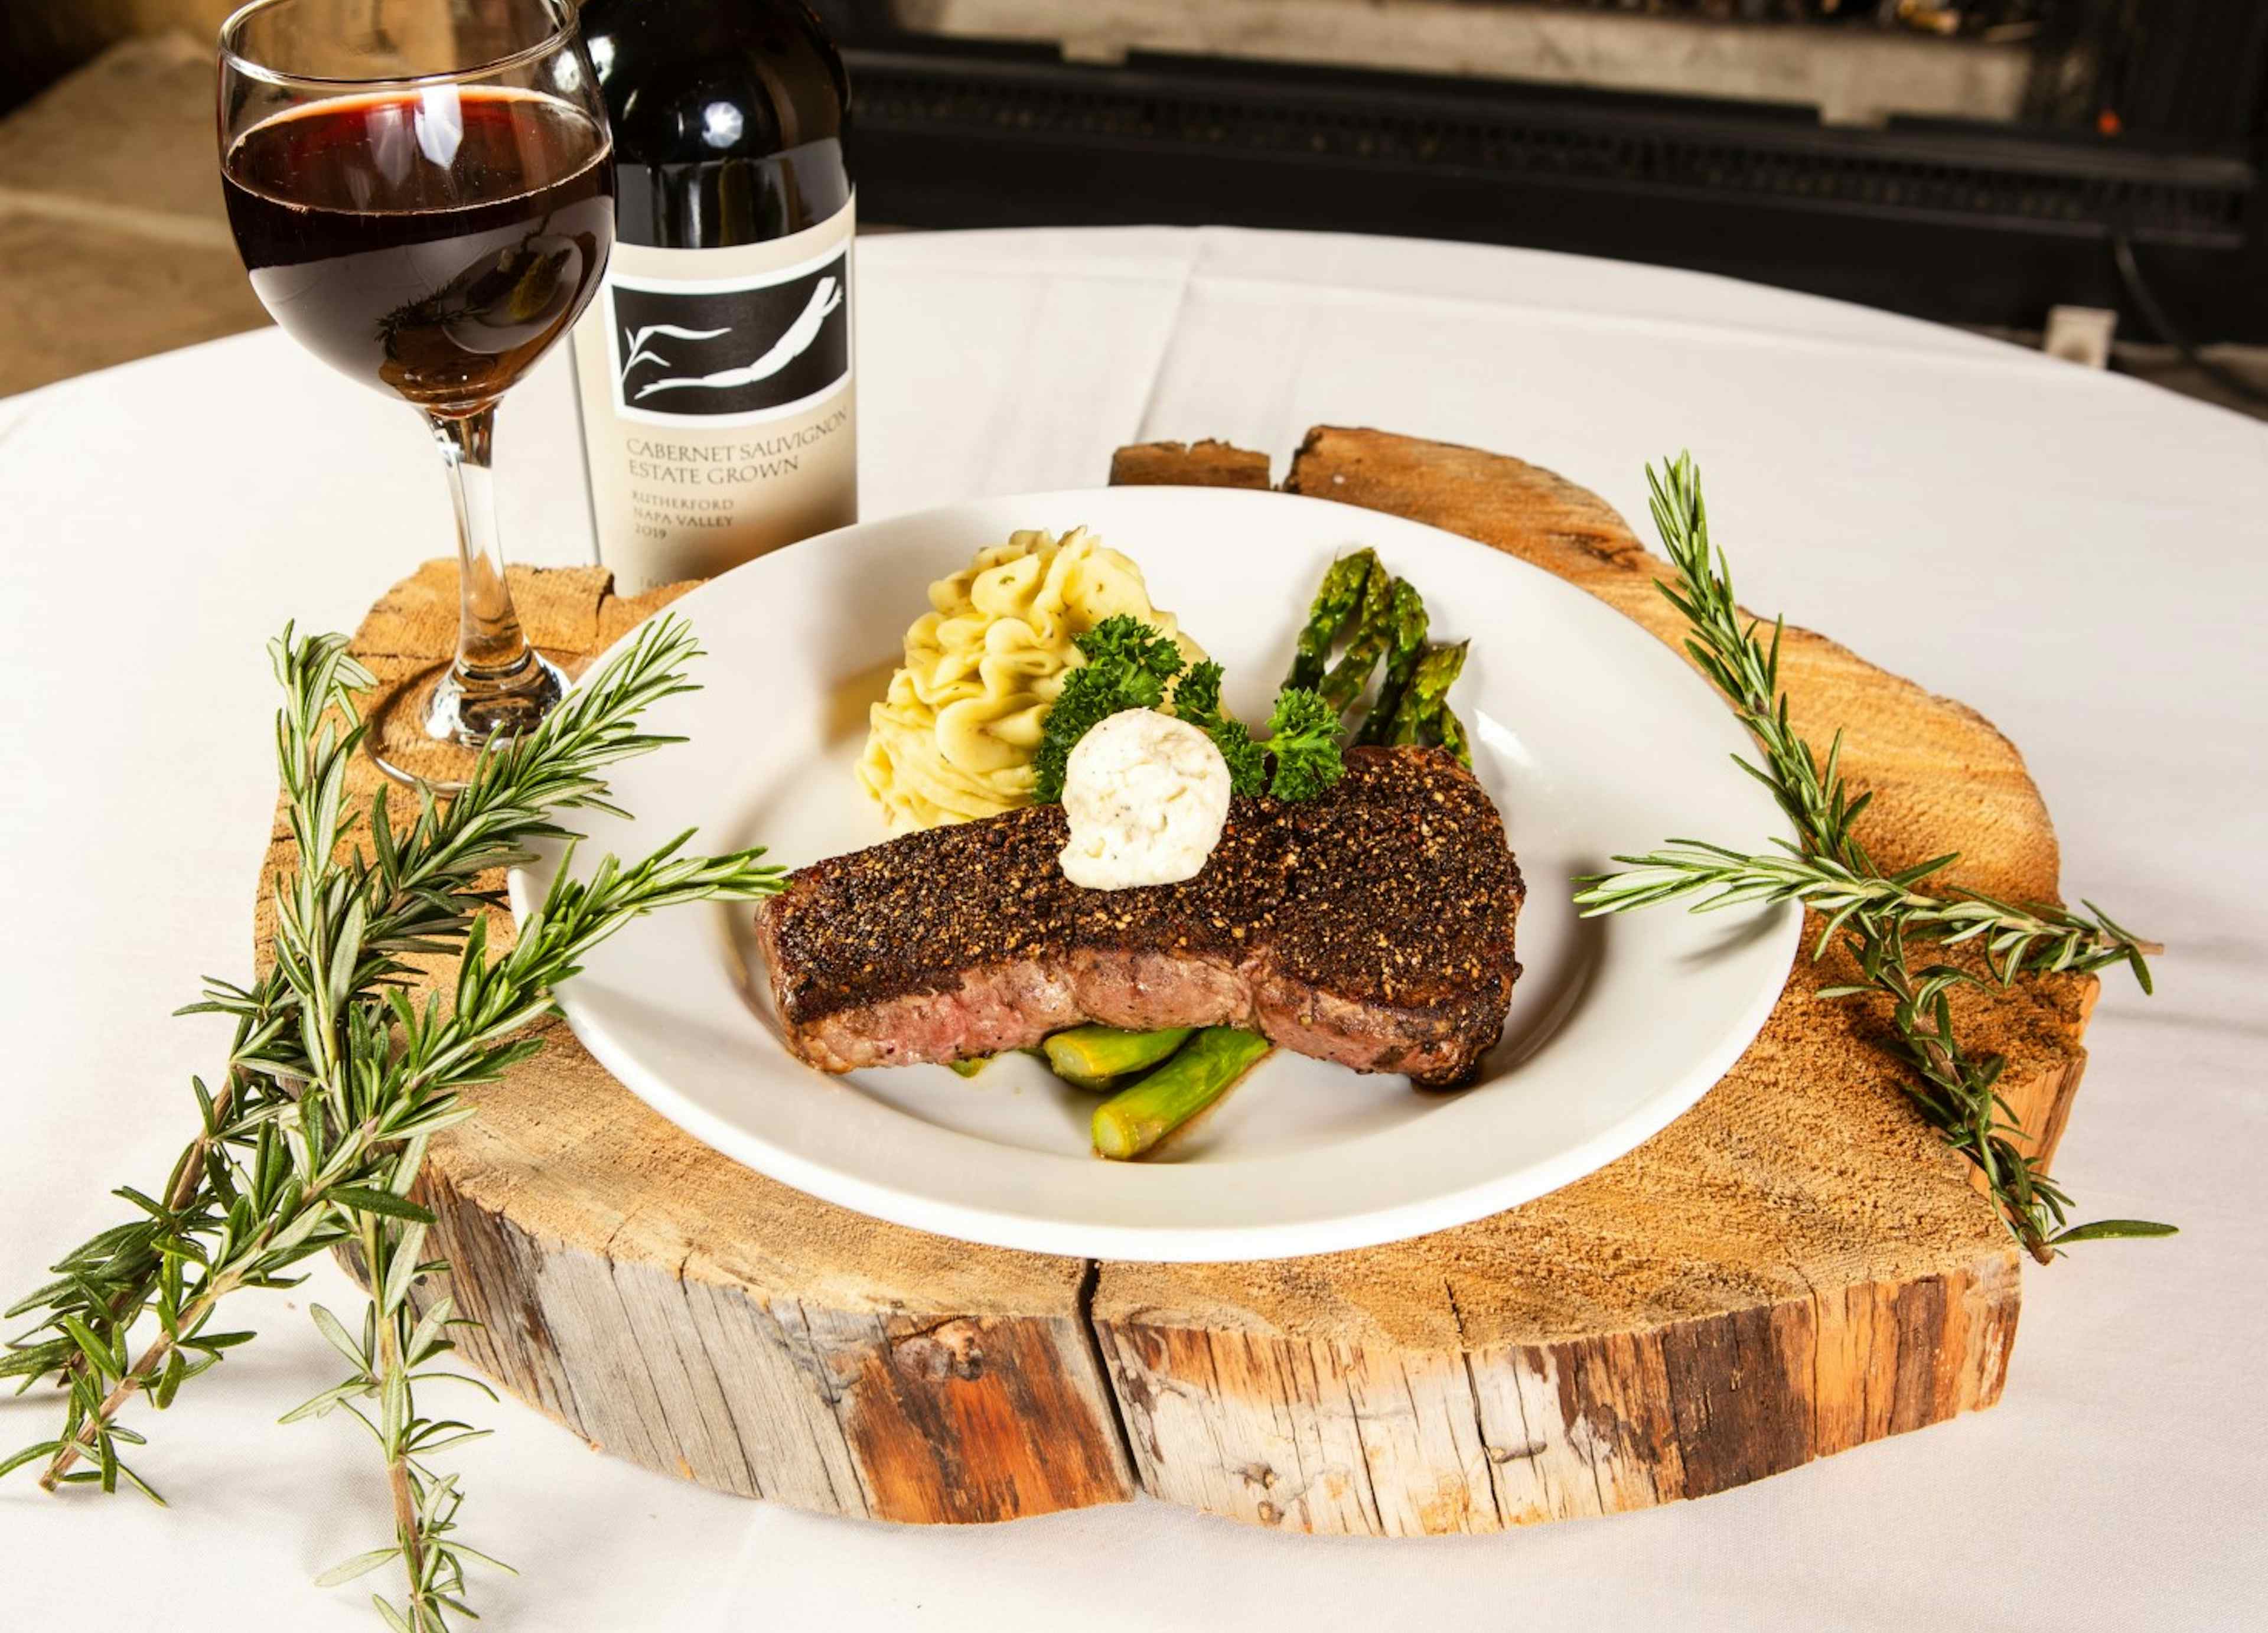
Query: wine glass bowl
[422,194]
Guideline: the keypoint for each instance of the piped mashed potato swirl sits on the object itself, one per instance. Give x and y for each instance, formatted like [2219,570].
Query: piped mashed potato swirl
[953,741]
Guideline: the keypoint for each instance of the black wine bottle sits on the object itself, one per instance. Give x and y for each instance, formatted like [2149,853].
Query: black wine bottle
[714,369]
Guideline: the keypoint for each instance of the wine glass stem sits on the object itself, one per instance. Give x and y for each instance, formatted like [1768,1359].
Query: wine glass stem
[493,655]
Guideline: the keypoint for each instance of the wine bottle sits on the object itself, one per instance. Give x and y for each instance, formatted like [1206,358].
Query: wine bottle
[714,368]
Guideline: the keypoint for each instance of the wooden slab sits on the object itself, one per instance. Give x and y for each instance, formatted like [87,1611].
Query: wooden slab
[1793,1268]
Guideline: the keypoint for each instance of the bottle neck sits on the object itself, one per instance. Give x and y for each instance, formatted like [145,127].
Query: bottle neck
[716,204]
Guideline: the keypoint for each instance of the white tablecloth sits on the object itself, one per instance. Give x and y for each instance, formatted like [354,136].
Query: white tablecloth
[2079,556]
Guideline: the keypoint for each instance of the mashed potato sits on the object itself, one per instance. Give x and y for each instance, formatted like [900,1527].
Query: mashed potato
[953,738]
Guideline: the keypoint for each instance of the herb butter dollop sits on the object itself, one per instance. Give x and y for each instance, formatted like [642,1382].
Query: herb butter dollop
[1146,796]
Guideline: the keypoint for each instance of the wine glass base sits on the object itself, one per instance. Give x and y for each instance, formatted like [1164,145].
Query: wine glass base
[432,729]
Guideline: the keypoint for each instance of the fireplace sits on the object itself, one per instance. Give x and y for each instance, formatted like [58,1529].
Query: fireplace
[1972,161]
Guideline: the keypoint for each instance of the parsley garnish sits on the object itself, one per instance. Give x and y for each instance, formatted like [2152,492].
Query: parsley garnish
[1127,666]
[1197,701]
[1303,735]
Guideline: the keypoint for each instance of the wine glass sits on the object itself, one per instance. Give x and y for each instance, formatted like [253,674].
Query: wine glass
[423,192]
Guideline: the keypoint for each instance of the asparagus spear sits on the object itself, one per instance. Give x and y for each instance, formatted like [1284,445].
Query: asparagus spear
[1373,633]
[1430,720]
[1407,621]
[1336,601]
[1133,1120]
[1438,668]
[1450,734]
[1090,1056]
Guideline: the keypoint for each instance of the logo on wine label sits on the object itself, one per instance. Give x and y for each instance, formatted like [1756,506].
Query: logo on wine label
[744,352]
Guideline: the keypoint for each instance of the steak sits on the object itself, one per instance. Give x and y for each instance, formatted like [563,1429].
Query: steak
[1372,926]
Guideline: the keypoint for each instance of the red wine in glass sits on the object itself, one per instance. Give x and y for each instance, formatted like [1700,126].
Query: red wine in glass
[423,191]
[434,242]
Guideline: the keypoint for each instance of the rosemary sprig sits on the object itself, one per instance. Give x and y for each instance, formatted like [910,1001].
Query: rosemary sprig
[426,893]
[1874,915]
[337,1079]
[414,1057]
[2038,938]
[396,1340]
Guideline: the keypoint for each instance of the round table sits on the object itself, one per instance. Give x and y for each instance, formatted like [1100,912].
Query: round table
[2075,555]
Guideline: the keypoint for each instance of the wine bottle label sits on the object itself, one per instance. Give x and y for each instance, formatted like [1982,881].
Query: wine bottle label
[719,411]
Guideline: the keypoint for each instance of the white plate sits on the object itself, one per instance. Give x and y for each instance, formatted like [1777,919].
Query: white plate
[1592,736]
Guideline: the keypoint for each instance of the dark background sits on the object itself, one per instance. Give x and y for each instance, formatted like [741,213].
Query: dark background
[2141,123]
[2117,167]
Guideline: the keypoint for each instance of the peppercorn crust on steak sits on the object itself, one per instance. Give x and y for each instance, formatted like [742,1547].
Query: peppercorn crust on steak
[1372,926]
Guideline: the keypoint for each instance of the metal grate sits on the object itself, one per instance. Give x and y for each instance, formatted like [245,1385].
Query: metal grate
[1680,151]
